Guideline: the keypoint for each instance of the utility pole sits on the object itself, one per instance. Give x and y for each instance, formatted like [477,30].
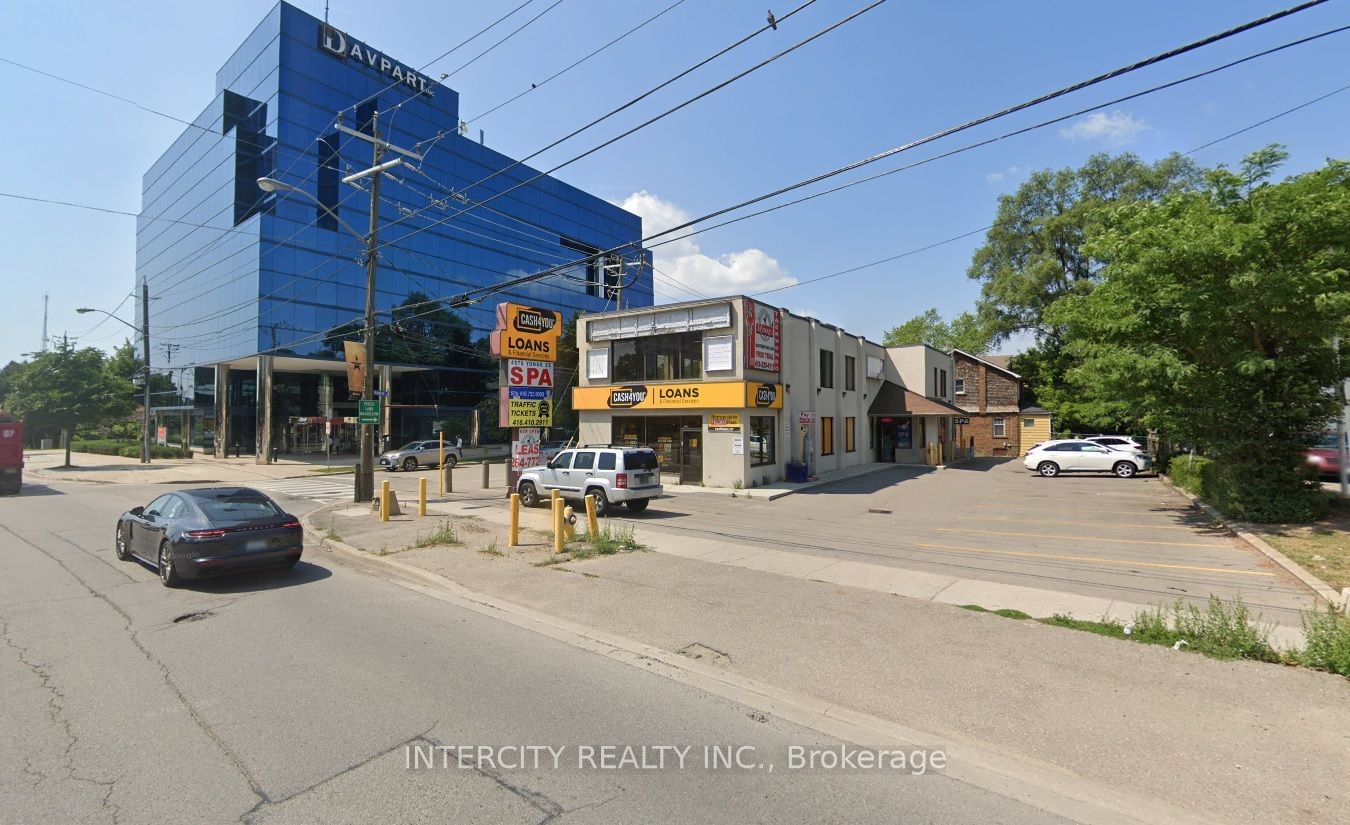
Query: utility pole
[367,482]
[1342,444]
[145,350]
[45,296]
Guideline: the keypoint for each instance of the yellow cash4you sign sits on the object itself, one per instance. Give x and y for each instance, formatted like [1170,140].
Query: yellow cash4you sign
[707,395]
[526,332]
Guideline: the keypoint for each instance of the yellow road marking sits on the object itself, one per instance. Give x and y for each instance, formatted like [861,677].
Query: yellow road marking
[1076,538]
[1049,505]
[1133,524]
[1096,560]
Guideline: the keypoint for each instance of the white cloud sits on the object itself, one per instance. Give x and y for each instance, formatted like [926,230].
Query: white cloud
[746,271]
[998,177]
[993,177]
[1115,127]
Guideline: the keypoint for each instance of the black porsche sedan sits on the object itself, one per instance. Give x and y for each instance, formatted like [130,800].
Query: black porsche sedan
[193,534]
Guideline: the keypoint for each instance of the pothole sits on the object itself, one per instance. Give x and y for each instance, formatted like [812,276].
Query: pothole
[703,653]
[195,616]
[878,511]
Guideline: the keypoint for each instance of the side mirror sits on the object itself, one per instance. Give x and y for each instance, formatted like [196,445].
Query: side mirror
[549,464]
[136,511]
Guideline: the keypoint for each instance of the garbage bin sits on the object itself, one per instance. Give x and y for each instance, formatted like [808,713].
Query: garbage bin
[796,472]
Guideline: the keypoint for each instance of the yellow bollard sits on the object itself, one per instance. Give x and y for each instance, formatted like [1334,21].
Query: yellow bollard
[515,519]
[557,524]
[441,483]
[422,496]
[569,524]
[384,501]
[555,494]
[592,523]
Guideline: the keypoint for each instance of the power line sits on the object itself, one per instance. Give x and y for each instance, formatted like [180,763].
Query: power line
[571,66]
[1303,105]
[513,33]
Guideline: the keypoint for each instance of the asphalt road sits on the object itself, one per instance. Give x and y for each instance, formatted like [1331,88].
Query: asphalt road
[1131,540]
[295,697]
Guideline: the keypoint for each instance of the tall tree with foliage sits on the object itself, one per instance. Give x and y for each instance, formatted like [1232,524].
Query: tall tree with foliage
[67,388]
[964,332]
[1034,255]
[1215,319]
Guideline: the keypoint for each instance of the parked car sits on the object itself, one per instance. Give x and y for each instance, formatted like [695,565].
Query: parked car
[417,454]
[1117,442]
[551,448]
[1324,456]
[191,534]
[1082,456]
[11,454]
[614,475]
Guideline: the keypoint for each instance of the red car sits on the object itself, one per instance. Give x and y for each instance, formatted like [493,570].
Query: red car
[1323,457]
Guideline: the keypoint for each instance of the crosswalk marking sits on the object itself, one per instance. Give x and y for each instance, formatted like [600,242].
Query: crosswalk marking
[317,489]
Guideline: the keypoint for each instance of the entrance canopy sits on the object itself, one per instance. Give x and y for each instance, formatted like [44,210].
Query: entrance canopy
[894,400]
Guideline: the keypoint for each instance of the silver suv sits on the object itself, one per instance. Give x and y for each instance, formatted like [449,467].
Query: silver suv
[614,475]
[418,454]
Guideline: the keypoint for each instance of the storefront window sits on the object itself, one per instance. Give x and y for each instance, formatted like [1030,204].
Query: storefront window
[762,430]
[675,357]
[850,424]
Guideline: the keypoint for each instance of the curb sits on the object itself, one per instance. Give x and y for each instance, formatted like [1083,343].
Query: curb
[1319,587]
[1025,779]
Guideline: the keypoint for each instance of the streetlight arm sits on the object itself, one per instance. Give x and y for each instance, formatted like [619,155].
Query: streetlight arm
[274,185]
[134,328]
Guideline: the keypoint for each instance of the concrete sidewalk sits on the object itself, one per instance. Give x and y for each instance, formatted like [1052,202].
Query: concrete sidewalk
[109,469]
[778,489]
[1175,727]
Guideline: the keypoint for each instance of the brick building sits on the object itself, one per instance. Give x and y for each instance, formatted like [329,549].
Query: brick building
[989,393]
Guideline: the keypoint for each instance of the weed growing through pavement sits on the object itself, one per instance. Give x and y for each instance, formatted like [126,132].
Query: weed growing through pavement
[1328,647]
[491,549]
[333,535]
[610,540]
[441,536]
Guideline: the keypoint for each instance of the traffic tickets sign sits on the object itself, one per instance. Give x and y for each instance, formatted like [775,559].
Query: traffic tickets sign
[525,407]
[526,332]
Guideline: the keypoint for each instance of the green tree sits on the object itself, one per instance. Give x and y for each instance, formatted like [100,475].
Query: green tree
[965,332]
[68,388]
[1034,255]
[565,371]
[1215,320]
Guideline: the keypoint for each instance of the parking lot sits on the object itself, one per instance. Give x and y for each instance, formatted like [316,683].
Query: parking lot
[1130,540]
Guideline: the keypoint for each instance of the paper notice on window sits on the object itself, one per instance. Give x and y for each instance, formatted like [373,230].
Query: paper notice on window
[718,353]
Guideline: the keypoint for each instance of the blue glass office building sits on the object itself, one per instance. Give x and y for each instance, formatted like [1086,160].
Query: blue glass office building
[248,286]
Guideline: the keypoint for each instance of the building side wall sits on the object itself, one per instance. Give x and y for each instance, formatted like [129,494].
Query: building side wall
[1037,432]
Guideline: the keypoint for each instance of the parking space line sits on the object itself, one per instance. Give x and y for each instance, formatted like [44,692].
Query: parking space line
[1079,538]
[1095,560]
[1119,512]
[1134,524]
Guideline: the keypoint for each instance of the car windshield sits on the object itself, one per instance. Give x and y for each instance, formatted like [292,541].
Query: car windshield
[236,507]
[411,445]
[639,460]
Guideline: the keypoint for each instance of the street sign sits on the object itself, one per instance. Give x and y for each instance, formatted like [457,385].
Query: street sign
[368,412]
[379,393]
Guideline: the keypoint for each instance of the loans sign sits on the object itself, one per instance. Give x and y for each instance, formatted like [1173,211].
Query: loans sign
[704,395]
[526,332]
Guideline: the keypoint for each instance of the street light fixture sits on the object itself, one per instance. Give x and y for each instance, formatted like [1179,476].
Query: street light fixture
[365,477]
[144,332]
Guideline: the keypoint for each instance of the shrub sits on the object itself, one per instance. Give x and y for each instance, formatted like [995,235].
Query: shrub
[1328,641]
[126,449]
[1187,472]
[1219,630]
[1258,492]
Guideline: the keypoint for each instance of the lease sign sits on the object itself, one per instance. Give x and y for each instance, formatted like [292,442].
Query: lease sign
[529,373]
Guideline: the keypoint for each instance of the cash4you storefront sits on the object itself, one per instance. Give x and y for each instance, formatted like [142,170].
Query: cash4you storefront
[676,380]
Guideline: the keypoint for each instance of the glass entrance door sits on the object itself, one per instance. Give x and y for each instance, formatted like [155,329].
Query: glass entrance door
[691,457]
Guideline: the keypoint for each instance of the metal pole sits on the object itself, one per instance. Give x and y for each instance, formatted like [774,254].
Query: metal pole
[145,350]
[1342,447]
[366,485]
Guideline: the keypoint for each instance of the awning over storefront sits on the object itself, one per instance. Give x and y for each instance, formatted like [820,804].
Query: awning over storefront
[893,399]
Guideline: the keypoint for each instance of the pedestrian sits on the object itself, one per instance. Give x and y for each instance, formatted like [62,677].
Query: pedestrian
[459,442]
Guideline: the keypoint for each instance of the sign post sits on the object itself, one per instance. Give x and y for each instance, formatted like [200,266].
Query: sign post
[525,342]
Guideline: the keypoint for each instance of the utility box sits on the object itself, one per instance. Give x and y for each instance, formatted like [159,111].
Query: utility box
[796,472]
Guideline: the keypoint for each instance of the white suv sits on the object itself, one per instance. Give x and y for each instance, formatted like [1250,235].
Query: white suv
[1117,442]
[1083,456]
[614,475]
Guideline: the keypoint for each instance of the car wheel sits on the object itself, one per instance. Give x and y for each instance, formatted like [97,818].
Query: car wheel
[1124,469]
[451,461]
[601,501]
[637,505]
[167,575]
[120,548]
[529,496]
[410,464]
[291,562]
[1048,469]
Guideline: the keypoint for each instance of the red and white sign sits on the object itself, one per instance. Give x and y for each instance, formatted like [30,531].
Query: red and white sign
[529,373]
[806,418]
[525,449]
[763,337]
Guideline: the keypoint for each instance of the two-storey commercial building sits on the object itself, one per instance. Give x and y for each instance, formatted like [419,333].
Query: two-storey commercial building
[730,390]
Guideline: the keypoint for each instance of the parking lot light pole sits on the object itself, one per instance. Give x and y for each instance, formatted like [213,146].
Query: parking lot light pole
[144,332]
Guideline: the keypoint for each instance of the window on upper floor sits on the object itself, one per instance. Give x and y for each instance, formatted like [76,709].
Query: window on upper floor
[674,357]
[850,372]
[826,369]
[959,386]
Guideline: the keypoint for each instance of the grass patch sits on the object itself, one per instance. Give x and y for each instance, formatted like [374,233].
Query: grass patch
[611,539]
[440,537]
[1328,647]
[550,561]
[491,550]
[1322,550]
[1005,612]
[332,471]
[1104,627]
[333,535]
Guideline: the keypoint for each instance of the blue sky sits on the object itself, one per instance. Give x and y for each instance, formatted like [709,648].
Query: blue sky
[901,71]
